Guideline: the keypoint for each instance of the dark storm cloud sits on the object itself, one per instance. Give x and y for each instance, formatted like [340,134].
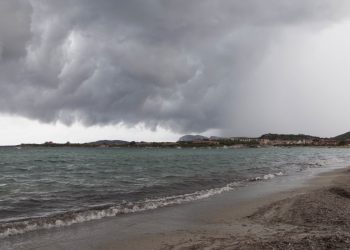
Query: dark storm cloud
[177,64]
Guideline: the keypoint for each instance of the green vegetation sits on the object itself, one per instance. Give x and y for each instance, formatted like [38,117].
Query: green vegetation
[343,137]
[288,137]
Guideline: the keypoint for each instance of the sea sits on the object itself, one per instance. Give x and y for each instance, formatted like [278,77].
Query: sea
[43,188]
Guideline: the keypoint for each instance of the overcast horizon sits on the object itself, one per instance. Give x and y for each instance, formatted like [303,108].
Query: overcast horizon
[154,70]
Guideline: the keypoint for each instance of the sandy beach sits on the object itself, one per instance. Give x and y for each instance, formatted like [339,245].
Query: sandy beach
[312,214]
[312,217]
[316,216]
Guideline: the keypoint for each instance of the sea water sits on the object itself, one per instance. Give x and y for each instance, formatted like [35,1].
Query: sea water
[52,187]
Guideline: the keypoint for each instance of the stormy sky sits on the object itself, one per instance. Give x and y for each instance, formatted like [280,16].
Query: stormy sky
[85,69]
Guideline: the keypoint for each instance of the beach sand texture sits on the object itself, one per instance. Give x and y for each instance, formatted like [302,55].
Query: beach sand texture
[317,217]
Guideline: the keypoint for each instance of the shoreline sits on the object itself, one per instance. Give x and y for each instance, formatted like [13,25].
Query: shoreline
[242,219]
[316,216]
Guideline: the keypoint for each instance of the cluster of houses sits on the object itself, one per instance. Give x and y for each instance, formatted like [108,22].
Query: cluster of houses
[265,140]
[306,142]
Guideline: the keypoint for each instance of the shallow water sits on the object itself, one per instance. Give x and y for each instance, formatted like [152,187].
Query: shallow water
[50,187]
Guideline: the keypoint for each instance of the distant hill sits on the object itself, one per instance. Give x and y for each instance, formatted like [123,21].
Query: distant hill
[288,137]
[189,138]
[342,137]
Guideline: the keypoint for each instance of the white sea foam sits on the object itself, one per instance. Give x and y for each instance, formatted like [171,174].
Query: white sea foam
[13,228]
[267,177]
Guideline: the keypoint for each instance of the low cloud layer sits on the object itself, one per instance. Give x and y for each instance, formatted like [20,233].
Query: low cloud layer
[182,65]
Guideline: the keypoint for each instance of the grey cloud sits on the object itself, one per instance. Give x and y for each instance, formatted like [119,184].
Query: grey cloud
[15,29]
[177,64]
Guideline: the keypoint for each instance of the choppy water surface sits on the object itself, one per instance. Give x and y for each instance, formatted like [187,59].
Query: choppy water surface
[49,187]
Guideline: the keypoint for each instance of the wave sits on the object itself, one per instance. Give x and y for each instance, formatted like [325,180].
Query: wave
[266,177]
[15,227]
[94,213]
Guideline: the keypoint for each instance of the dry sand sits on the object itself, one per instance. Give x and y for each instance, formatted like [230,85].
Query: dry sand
[316,217]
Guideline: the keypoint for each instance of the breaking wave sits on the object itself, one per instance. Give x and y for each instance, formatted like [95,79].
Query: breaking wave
[266,177]
[99,212]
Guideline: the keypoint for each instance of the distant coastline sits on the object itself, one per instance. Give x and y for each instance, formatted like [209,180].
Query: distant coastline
[190,141]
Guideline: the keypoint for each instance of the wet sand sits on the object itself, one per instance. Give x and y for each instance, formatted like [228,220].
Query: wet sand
[313,217]
[284,214]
